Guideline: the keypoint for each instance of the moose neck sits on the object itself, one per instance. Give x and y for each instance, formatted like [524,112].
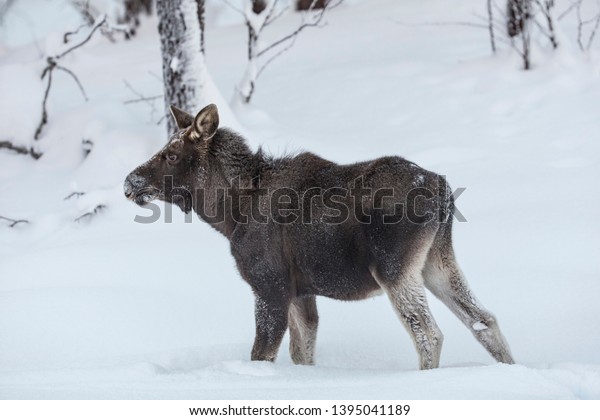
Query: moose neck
[232,166]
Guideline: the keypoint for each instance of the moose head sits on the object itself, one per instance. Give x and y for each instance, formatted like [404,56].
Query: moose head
[178,168]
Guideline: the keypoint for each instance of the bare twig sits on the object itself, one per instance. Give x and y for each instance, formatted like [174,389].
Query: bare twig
[90,213]
[593,33]
[76,31]
[276,16]
[69,72]
[315,23]
[545,7]
[142,99]
[87,145]
[98,24]
[568,10]
[13,222]
[269,15]
[44,119]
[148,100]
[75,194]
[274,57]
[156,76]
[22,150]
[233,7]
[471,24]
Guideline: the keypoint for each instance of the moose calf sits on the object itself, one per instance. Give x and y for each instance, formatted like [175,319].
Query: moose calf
[302,226]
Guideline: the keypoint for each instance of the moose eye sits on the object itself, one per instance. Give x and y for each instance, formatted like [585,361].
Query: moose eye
[171,157]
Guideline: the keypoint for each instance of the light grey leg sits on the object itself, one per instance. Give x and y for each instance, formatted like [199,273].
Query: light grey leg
[407,295]
[303,322]
[446,281]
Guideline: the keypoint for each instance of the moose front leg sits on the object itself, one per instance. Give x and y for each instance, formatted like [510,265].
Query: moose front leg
[271,317]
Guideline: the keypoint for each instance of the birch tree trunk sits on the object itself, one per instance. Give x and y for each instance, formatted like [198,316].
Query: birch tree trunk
[201,20]
[184,70]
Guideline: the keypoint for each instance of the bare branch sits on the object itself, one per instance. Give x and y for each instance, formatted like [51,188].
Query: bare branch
[315,23]
[148,100]
[90,213]
[593,33]
[75,32]
[268,17]
[142,99]
[237,9]
[69,72]
[580,25]
[21,150]
[53,64]
[156,76]
[546,8]
[274,57]
[75,194]
[277,15]
[44,119]
[13,222]
[161,119]
[99,23]
[569,9]
[471,24]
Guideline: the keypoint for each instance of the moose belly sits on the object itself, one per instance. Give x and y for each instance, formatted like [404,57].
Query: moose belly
[338,281]
[332,261]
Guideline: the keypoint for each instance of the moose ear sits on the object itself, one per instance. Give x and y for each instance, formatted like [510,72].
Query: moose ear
[182,118]
[206,123]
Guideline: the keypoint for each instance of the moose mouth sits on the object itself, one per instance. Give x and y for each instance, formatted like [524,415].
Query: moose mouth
[143,196]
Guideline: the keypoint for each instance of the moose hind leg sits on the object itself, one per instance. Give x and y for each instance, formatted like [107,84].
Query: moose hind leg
[446,281]
[271,323]
[407,295]
[303,322]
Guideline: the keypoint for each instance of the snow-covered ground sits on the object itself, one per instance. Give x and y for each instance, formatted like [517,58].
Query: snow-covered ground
[111,308]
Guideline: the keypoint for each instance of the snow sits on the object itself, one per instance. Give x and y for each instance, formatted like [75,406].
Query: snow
[175,64]
[479,326]
[257,20]
[111,308]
